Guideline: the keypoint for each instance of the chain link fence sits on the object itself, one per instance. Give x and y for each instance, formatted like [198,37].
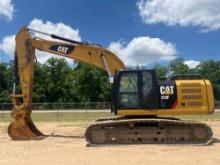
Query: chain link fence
[217,104]
[80,112]
[62,112]
[71,106]
[63,106]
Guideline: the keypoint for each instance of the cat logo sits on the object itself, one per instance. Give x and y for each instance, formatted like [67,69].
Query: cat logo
[166,90]
[62,49]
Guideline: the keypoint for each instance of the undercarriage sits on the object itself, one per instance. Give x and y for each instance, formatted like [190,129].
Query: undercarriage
[148,131]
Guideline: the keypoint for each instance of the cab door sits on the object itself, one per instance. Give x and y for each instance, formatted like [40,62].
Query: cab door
[149,93]
[128,90]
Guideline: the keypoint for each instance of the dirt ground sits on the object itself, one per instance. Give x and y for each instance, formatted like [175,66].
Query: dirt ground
[67,146]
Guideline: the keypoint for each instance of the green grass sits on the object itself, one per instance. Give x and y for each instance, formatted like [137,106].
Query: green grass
[91,116]
[215,116]
[60,116]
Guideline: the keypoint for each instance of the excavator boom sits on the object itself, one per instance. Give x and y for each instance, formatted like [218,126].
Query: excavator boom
[22,126]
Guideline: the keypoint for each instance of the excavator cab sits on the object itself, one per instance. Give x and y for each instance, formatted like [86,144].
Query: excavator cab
[135,89]
[139,93]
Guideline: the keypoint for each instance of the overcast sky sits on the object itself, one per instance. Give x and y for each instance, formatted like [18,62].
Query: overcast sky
[139,32]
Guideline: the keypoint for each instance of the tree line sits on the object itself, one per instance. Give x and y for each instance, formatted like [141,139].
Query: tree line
[56,81]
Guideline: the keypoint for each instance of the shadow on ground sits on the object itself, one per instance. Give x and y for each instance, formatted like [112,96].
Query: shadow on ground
[215,140]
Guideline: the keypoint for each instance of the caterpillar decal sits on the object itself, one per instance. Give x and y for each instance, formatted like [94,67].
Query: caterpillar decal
[167,92]
[64,49]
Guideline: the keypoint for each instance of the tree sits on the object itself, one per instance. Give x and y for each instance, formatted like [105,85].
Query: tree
[177,66]
[56,81]
[5,82]
[59,80]
[3,77]
[211,70]
[40,83]
[161,71]
[92,83]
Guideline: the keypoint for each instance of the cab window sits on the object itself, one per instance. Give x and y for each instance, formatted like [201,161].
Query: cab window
[147,84]
[128,90]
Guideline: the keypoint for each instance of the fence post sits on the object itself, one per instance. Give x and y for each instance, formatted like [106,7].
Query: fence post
[57,115]
[1,114]
[56,109]
[86,108]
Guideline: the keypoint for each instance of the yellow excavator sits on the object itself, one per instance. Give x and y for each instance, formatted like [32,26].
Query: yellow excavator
[140,100]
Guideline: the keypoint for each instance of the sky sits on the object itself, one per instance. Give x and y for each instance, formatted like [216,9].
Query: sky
[140,32]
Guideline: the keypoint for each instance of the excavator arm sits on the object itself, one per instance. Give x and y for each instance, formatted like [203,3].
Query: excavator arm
[22,126]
